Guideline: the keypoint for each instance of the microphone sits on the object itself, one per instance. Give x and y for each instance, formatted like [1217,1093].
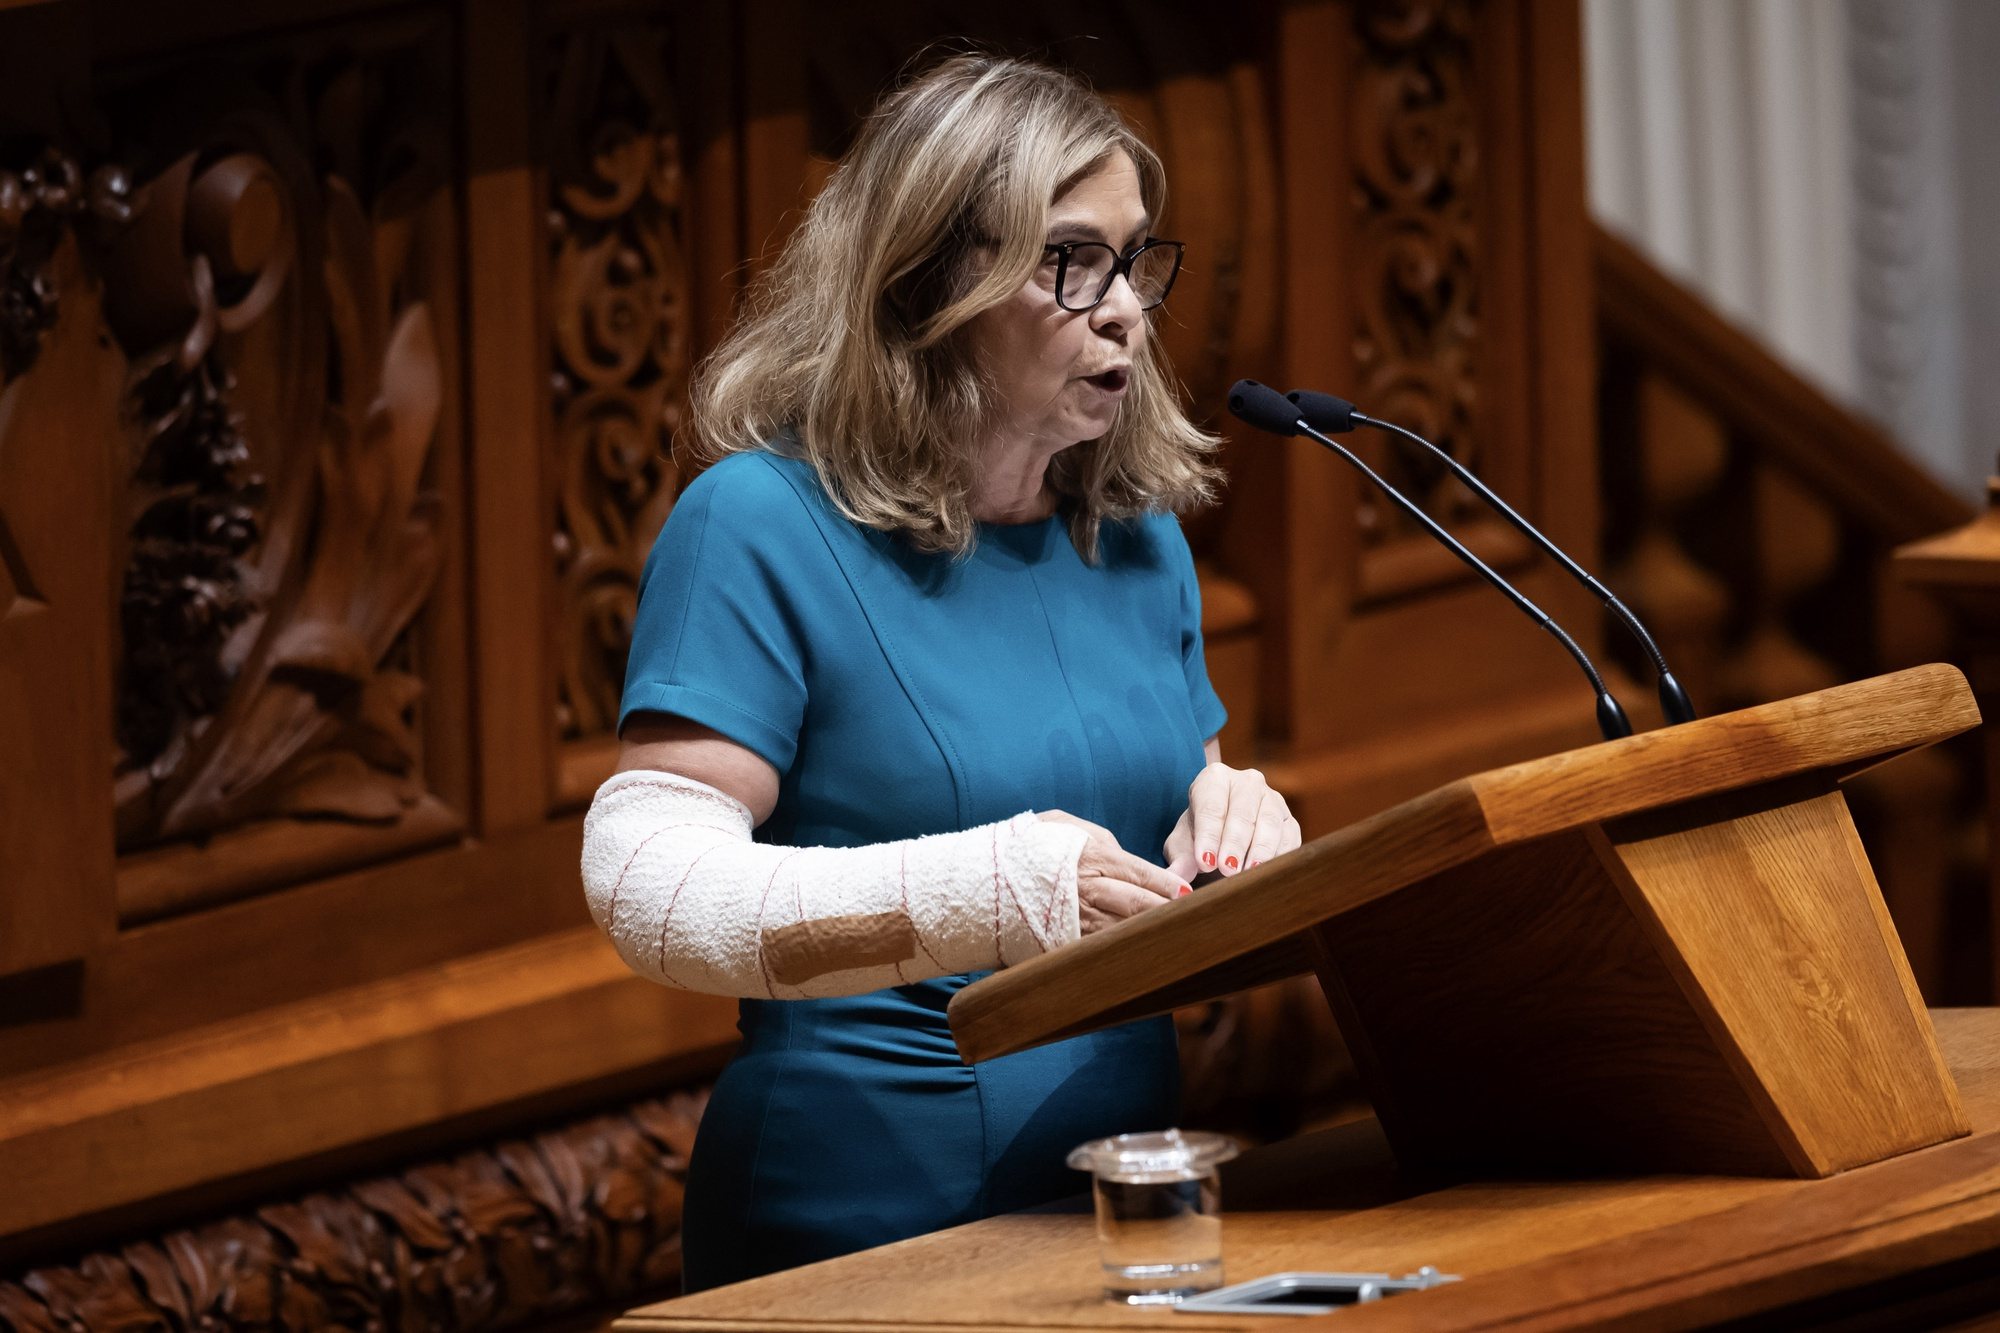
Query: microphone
[1268,410]
[1337,416]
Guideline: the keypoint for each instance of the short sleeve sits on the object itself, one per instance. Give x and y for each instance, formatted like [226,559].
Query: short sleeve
[1209,714]
[718,637]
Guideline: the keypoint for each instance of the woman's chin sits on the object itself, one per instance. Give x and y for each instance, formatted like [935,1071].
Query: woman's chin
[1093,423]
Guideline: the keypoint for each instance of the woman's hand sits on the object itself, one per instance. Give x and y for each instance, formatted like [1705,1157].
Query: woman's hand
[1233,821]
[1112,883]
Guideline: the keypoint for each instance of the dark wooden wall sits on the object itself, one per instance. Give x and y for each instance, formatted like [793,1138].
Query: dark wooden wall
[342,349]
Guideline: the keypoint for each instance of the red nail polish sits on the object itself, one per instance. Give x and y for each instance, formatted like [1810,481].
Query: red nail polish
[1230,862]
[1208,859]
[1185,891]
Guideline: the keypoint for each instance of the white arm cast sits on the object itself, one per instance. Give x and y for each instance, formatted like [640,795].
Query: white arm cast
[690,900]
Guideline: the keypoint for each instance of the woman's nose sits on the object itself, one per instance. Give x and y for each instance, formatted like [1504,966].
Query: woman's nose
[1120,307]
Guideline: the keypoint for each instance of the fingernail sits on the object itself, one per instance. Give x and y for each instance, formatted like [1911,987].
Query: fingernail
[1185,891]
[1255,864]
[1230,862]
[1208,859]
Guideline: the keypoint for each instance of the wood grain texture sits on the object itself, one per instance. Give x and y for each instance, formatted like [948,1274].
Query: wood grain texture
[181,877]
[1126,969]
[1764,905]
[1560,287]
[509,495]
[1831,1250]
[1282,498]
[1519,1018]
[1334,1201]
[1841,730]
[525,1230]
[224,962]
[292,1081]
[56,889]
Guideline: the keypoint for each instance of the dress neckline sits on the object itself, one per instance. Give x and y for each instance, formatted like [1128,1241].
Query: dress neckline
[1029,542]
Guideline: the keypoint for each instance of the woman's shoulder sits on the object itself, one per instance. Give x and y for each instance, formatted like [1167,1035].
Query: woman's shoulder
[757,492]
[751,477]
[1151,539]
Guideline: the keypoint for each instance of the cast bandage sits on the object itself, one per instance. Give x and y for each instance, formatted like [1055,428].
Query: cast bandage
[689,899]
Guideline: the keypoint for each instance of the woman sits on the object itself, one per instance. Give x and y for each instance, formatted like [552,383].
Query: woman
[917,683]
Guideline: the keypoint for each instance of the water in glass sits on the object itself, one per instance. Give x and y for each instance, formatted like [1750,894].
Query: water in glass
[1159,1240]
[1159,1222]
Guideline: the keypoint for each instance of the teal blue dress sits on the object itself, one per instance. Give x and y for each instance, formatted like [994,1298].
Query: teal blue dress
[901,694]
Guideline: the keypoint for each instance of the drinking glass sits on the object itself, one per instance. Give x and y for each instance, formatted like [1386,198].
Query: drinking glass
[1159,1218]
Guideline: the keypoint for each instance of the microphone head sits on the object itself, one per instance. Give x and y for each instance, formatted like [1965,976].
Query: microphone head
[1323,412]
[1263,407]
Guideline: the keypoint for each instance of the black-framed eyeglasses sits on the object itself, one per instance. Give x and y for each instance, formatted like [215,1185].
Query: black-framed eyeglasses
[1085,271]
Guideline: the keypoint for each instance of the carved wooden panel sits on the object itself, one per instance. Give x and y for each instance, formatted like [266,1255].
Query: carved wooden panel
[57,389]
[1417,295]
[619,325]
[250,403]
[283,298]
[569,1220]
[38,201]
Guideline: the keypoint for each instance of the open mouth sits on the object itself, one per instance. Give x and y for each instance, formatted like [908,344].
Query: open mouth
[1111,381]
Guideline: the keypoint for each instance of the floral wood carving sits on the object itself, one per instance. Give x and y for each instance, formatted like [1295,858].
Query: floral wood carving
[525,1230]
[36,203]
[1416,288]
[619,296]
[284,398]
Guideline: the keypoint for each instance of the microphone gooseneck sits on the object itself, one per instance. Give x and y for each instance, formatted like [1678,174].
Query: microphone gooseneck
[1268,410]
[1337,416]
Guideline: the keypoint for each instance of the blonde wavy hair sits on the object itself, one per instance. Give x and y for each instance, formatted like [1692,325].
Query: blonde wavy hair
[851,351]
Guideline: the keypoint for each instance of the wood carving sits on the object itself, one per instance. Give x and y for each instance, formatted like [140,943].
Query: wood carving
[36,203]
[1416,292]
[619,311]
[284,398]
[528,1229]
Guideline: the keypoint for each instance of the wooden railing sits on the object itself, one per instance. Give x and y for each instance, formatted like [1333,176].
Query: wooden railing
[1751,520]
[1959,571]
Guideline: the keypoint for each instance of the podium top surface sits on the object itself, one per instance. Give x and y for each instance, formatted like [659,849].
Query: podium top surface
[1245,931]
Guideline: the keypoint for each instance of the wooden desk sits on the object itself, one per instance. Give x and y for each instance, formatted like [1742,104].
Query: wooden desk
[1658,1252]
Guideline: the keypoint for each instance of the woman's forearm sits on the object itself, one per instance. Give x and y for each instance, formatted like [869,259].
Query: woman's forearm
[689,899]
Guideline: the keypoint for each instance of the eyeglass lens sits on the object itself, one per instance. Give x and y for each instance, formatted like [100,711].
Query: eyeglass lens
[1087,276]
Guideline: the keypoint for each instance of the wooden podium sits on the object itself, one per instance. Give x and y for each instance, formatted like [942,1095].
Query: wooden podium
[1663,953]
